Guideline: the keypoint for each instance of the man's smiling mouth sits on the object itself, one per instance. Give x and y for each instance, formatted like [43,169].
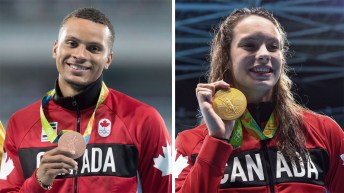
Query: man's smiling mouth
[77,67]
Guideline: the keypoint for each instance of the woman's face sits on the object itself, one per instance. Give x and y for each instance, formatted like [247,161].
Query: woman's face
[256,57]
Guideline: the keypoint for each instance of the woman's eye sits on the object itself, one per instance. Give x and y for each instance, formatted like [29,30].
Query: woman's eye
[273,47]
[249,46]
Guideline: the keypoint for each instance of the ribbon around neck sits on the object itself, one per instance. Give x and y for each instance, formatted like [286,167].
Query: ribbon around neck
[49,131]
[253,128]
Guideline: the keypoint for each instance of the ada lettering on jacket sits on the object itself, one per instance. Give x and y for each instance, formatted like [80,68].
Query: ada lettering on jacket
[110,160]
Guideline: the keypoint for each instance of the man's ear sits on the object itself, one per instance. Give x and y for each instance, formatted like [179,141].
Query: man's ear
[109,60]
[55,48]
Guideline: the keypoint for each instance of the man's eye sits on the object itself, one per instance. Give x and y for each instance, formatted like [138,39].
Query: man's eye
[94,49]
[72,43]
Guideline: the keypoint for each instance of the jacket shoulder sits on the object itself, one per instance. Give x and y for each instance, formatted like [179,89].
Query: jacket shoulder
[22,121]
[29,113]
[126,103]
[321,127]
[318,121]
[133,112]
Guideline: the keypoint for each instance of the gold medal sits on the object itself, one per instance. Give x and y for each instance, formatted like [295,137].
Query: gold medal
[229,104]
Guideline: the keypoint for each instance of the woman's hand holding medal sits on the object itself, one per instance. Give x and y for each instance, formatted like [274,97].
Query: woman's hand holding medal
[221,108]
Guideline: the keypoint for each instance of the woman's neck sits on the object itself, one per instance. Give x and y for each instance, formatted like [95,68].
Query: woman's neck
[258,97]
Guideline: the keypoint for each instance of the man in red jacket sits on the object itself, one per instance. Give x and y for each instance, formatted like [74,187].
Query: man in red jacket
[128,147]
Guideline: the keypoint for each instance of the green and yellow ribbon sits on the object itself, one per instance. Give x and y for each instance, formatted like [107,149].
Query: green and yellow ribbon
[49,131]
[253,128]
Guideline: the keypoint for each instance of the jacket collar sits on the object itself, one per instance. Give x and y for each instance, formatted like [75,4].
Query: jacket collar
[86,99]
[261,111]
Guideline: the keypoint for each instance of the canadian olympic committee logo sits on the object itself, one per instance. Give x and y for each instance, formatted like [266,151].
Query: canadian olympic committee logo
[104,127]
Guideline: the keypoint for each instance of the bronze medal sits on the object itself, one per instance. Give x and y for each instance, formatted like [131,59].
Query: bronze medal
[73,141]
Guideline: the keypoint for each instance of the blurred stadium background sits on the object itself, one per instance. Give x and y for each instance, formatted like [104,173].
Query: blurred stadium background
[315,30]
[142,61]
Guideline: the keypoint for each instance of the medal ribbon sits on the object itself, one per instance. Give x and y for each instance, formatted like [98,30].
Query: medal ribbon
[253,128]
[49,131]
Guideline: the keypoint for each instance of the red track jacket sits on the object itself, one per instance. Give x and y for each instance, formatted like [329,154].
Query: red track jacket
[129,149]
[206,164]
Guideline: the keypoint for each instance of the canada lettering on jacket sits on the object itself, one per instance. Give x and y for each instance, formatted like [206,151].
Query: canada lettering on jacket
[98,160]
[249,168]
[95,164]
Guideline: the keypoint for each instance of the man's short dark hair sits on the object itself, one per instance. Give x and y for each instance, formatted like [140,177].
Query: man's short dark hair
[95,16]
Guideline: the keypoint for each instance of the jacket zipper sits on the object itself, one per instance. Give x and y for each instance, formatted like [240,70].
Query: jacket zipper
[268,166]
[78,130]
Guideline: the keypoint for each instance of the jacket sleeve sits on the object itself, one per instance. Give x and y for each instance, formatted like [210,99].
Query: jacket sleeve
[204,176]
[155,156]
[11,175]
[335,140]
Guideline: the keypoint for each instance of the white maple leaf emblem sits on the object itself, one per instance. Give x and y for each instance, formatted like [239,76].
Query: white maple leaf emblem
[6,166]
[180,164]
[342,156]
[163,163]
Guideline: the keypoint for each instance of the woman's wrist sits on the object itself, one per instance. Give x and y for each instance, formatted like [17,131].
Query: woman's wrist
[220,138]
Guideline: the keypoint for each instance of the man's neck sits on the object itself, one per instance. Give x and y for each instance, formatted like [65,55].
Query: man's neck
[68,90]
[85,97]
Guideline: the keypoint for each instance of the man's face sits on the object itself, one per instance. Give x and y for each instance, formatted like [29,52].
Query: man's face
[256,56]
[81,52]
